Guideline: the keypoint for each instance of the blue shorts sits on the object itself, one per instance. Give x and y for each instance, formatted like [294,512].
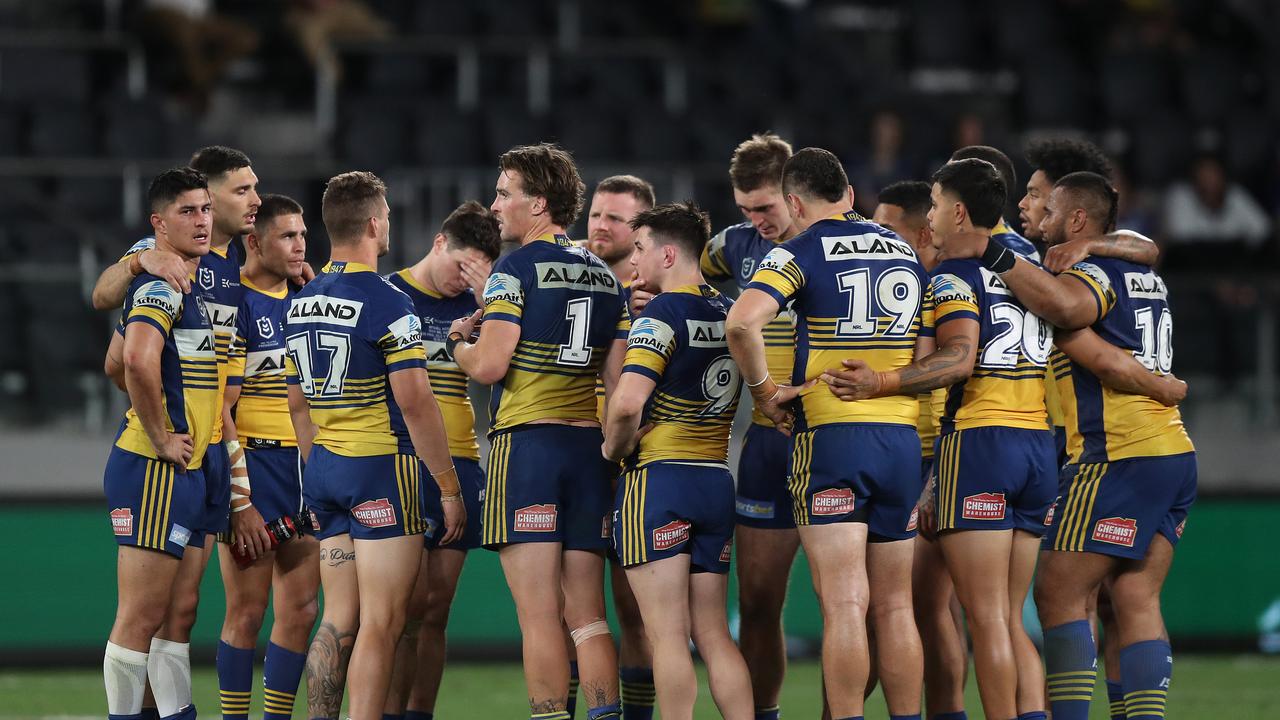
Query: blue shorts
[1060,444]
[995,478]
[763,500]
[152,504]
[275,476]
[667,508]
[548,483]
[371,498]
[215,516]
[1116,508]
[471,479]
[857,472]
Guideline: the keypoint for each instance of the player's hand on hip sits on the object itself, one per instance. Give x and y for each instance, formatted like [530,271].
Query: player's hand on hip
[639,297]
[167,266]
[1060,257]
[176,448]
[1175,391]
[777,406]
[248,530]
[856,381]
[455,518]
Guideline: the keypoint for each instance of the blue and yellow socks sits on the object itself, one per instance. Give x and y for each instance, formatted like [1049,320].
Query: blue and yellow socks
[612,711]
[1115,700]
[416,715]
[769,713]
[637,693]
[235,680]
[281,676]
[1146,669]
[572,704]
[1071,666]
[557,715]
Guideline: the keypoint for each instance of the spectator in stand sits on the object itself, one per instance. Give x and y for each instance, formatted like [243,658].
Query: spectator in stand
[883,164]
[1209,207]
[318,24]
[198,42]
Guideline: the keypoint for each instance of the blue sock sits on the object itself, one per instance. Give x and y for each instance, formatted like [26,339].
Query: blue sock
[1115,699]
[150,713]
[139,716]
[235,680]
[961,715]
[1035,715]
[572,704]
[637,693]
[851,717]
[769,713]
[186,713]
[612,711]
[281,676]
[1146,669]
[389,716]
[916,716]
[416,715]
[1071,666]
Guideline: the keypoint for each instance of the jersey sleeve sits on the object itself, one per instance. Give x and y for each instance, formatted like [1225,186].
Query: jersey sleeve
[928,308]
[290,370]
[146,243]
[1099,283]
[623,329]
[779,275]
[154,302]
[954,296]
[504,293]
[398,332]
[237,353]
[714,263]
[651,342]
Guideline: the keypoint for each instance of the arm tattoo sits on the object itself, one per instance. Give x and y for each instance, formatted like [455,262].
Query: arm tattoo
[936,370]
[327,670]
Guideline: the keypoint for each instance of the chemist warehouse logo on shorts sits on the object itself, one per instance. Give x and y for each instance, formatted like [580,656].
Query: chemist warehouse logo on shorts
[122,521]
[1116,531]
[835,501]
[375,513]
[983,506]
[536,518]
[670,535]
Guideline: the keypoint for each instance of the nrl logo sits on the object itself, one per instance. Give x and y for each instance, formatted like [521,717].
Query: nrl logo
[206,278]
[266,328]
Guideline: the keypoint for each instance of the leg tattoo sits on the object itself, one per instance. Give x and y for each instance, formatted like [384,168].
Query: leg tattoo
[327,670]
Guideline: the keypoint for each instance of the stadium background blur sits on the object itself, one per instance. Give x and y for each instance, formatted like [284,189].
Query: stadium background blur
[95,98]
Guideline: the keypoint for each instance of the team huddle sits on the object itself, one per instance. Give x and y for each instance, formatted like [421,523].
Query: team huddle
[940,413]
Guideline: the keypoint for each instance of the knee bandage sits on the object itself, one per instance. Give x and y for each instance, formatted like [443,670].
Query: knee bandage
[588,631]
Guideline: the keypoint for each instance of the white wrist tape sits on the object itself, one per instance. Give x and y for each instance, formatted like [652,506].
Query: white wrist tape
[240,490]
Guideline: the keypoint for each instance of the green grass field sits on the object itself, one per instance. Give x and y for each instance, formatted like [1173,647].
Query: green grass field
[1204,688]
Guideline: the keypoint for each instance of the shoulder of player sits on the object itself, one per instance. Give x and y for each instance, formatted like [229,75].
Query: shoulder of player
[148,289]
[952,277]
[734,234]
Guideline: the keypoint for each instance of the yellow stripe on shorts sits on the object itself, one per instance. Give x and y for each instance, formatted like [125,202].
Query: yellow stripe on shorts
[495,500]
[801,457]
[1081,497]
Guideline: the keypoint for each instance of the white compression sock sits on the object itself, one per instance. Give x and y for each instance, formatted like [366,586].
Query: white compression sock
[124,672]
[169,669]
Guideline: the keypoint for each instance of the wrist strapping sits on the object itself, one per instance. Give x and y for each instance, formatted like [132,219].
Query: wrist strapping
[762,381]
[451,343]
[135,263]
[240,491]
[447,480]
[998,258]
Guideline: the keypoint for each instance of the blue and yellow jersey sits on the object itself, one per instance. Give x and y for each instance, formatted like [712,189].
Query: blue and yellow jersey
[217,281]
[679,342]
[734,253]
[257,364]
[932,405]
[1007,385]
[1010,238]
[448,382]
[188,365]
[569,308]
[858,292]
[1105,424]
[346,332]
[626,303]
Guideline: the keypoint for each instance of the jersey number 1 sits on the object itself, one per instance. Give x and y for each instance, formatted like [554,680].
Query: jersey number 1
[576,352]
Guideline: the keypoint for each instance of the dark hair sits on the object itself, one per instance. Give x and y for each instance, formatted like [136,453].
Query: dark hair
[814,172]
[683,224]
[978,185]
[1057,157]
[913,196]
[548,171]
[472,225]
[758,162]
[992,155]
[631,185]
[168,185]
[272,207]
[348,203]
[1095,196]
[218,160]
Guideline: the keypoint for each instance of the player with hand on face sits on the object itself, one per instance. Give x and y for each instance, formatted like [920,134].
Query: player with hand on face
[554,322]
[256,414]
[446,284]
[364,413]
[673,516]
[153,479]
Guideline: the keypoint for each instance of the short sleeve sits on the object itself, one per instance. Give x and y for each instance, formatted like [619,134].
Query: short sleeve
[651,342]
[714,263]
[155,303]
[1098,282]
[504,294]
[953,298]
[401,338]
[146,243]
[290,369]
[928,310]
[237,352]
[779,275]
[623,328]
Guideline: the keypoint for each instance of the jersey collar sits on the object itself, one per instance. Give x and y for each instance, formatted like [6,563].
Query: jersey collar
[346,267]
[1001,228]
[277,294]
[851,216]
[704,290]
[408,277]
[555,238]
